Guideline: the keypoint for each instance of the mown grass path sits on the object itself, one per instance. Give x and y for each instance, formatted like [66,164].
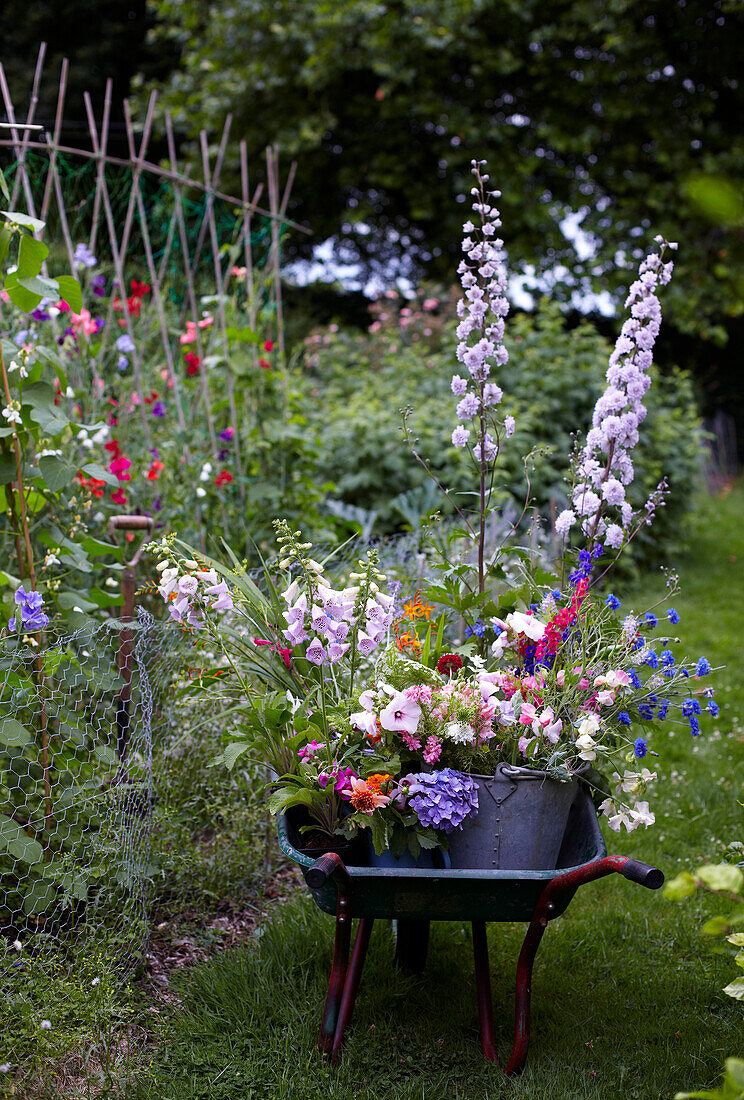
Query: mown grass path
[627,999]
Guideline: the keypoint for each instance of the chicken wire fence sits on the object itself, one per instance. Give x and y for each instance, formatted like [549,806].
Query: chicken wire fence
[77,719]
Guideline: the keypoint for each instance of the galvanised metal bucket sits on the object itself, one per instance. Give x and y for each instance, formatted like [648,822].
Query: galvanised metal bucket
[521,820]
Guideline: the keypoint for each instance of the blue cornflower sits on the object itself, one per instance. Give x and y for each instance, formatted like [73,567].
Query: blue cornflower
[555,594]
[468,631]
[651,660]
[634,678]
[694,726]
[639,643]
[646,712]
[673,616]
[640,747]
[691,706]
[624,718]
[663,708]
[612,601]
[666,658]
[703,667]
[479,628]
[598,551]
[713,708]
[651,619]
[685,672]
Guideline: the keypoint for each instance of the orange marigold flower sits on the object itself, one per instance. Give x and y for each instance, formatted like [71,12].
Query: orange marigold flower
[376,781]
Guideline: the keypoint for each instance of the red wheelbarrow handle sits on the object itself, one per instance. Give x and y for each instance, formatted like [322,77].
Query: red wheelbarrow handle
[545,910]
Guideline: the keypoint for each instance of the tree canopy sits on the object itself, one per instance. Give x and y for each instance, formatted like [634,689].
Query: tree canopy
[625,113]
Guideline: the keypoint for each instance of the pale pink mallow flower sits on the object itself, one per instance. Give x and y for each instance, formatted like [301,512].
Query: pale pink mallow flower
[401,714]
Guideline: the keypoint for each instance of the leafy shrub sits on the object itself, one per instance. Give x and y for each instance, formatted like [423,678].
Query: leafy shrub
[357,386]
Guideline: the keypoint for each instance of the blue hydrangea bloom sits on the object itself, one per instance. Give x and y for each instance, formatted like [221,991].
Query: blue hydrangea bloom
[612,601]
[624,718]
[673,616]
[640,748]
[703,667]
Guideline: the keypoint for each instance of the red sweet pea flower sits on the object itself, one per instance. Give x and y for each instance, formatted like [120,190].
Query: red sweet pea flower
[223,478]
[193,362]
[139,289]
[154,472]
[94,486]
[268,345]
[113,448]
[119,497]
[264,364]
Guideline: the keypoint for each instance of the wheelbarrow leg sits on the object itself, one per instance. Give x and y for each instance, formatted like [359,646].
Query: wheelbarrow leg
[483,988]
[338,974]
[532,938]
[351,986]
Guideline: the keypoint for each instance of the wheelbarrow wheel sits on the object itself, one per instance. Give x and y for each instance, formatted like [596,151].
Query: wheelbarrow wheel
[411,944]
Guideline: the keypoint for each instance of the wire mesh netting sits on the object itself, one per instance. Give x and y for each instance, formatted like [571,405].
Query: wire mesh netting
[77,717]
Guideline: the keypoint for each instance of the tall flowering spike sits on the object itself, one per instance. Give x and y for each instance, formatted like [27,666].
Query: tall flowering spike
[605,465]
[480,332]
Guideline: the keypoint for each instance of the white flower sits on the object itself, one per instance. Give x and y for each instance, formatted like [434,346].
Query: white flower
[12,415]
[17,945]
[200,492]
[642,815]
[5,1067]
[95,981]
[586,744]
[525,624]
[460,732]
[51,559]
[111,582]
[45,1025]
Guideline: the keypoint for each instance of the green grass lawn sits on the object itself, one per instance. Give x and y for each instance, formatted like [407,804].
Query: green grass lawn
[627,999]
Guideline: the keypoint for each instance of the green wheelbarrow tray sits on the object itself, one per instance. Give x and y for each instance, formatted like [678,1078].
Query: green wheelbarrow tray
[412,897]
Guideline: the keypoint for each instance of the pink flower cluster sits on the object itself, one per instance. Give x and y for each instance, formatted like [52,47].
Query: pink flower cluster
[605,467]
[327,620]
[189,595]
[480,332]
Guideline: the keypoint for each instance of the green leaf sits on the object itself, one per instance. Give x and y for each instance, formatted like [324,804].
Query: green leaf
[737,938]
[721,876]
[56,472]
[17,843]
[39,897]
[735,989]
[683,886]
[4,188]
[31,255]
[24,299]
[69,289]
[6,237]
[13,735]
[15,218]
[37,284]
[97,471]
[231,753]
[715,926]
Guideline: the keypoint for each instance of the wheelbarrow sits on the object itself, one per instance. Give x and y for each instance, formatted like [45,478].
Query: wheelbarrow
[413,897]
